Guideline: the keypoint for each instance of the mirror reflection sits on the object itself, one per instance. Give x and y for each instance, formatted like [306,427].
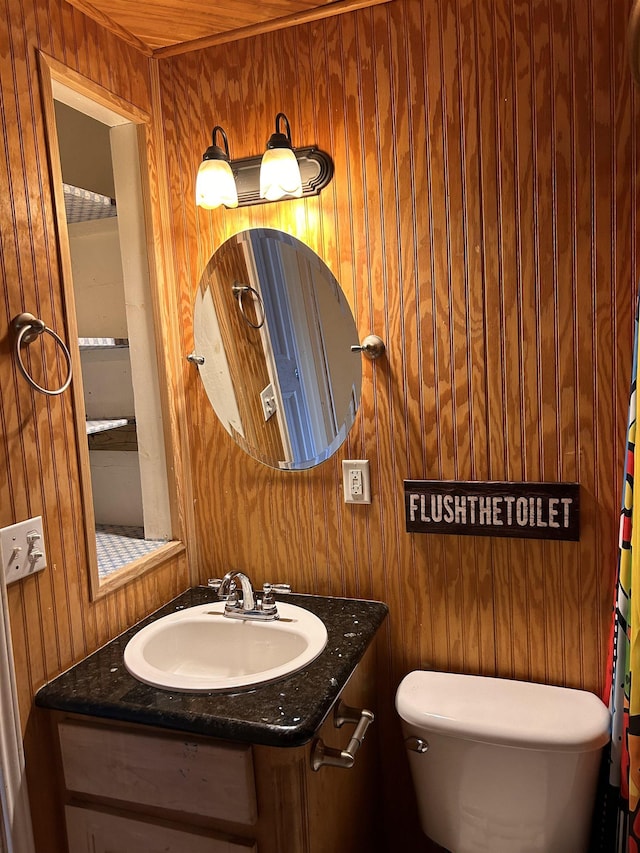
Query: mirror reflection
[275,331]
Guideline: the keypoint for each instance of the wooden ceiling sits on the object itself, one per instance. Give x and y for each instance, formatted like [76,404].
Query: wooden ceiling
[166,27]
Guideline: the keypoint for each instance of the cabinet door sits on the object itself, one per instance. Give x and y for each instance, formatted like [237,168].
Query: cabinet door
[185,774]
[91,831]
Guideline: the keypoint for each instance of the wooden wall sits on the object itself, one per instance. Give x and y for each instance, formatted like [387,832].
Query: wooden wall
[482,220]
[53,621]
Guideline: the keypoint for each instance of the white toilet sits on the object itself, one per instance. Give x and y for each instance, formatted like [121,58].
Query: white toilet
[502,766]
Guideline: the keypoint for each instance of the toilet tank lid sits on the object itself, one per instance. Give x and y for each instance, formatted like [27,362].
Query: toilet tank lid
[502,711]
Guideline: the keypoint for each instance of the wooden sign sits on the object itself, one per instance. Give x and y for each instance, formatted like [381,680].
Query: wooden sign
[518,510]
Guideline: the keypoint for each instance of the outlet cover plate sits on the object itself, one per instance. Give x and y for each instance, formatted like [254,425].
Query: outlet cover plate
[364,482]
[22,549]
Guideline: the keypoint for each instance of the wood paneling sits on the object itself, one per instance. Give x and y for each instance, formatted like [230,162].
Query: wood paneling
[475,228]
[178,26]
[482,220]
[53,621]
[246,360]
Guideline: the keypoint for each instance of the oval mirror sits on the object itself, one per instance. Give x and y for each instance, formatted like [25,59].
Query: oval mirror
[275,331]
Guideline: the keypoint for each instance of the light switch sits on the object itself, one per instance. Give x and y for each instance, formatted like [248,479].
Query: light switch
[22,549]
[268,399]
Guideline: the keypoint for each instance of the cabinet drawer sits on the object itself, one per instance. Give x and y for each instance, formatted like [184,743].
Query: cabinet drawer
[92,831]
[182,774]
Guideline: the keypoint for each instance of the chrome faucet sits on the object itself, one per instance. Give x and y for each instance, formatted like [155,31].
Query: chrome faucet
[226,588]
[248,607]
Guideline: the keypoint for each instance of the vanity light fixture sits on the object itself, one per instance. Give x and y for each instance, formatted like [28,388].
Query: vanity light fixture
[279,170]
[215,184]
[253,178]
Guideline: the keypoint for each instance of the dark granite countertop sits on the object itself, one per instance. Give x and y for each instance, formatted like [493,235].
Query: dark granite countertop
[287,712]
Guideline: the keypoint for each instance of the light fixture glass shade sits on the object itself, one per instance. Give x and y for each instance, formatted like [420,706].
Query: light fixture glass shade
[215,185]
[280,174]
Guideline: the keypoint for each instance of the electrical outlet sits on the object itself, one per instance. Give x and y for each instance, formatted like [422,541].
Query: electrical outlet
[22,549]
[356,481]
[268,402]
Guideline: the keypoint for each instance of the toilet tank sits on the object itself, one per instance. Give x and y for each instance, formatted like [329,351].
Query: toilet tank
[509,766]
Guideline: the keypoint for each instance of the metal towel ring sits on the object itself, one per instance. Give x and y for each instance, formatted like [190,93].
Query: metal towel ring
[240,291]
[28,329]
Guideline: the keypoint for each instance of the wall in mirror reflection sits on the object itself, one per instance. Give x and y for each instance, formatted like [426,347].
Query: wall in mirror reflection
[275,331]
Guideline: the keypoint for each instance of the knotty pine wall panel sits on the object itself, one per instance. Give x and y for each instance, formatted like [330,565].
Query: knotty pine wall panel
[53,621]
[482,220]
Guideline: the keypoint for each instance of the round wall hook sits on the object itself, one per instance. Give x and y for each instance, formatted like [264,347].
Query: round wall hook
[372,347]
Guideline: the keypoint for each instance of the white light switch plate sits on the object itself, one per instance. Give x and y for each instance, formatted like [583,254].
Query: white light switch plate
[22,549]
[268,400]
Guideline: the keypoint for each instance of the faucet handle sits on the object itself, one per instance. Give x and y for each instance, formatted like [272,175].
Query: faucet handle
[276,587]
[215,584]
[267,604]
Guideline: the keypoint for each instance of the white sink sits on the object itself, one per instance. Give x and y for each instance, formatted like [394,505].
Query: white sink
[200,650]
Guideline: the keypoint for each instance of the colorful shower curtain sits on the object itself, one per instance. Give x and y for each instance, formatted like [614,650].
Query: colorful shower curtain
[619,818]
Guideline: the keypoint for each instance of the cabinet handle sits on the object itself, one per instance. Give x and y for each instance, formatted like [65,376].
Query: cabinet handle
[322,755]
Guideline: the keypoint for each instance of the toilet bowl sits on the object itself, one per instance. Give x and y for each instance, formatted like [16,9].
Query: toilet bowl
[502,766]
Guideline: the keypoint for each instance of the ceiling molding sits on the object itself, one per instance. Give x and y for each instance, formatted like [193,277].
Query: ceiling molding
[136,35]
[339,7]
[109,24]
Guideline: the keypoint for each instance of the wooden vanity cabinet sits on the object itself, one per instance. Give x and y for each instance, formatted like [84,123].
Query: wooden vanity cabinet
[138,789]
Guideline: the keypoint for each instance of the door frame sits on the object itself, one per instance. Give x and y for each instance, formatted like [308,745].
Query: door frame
[63,84]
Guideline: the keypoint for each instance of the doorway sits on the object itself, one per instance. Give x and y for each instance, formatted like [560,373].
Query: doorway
[95,145]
